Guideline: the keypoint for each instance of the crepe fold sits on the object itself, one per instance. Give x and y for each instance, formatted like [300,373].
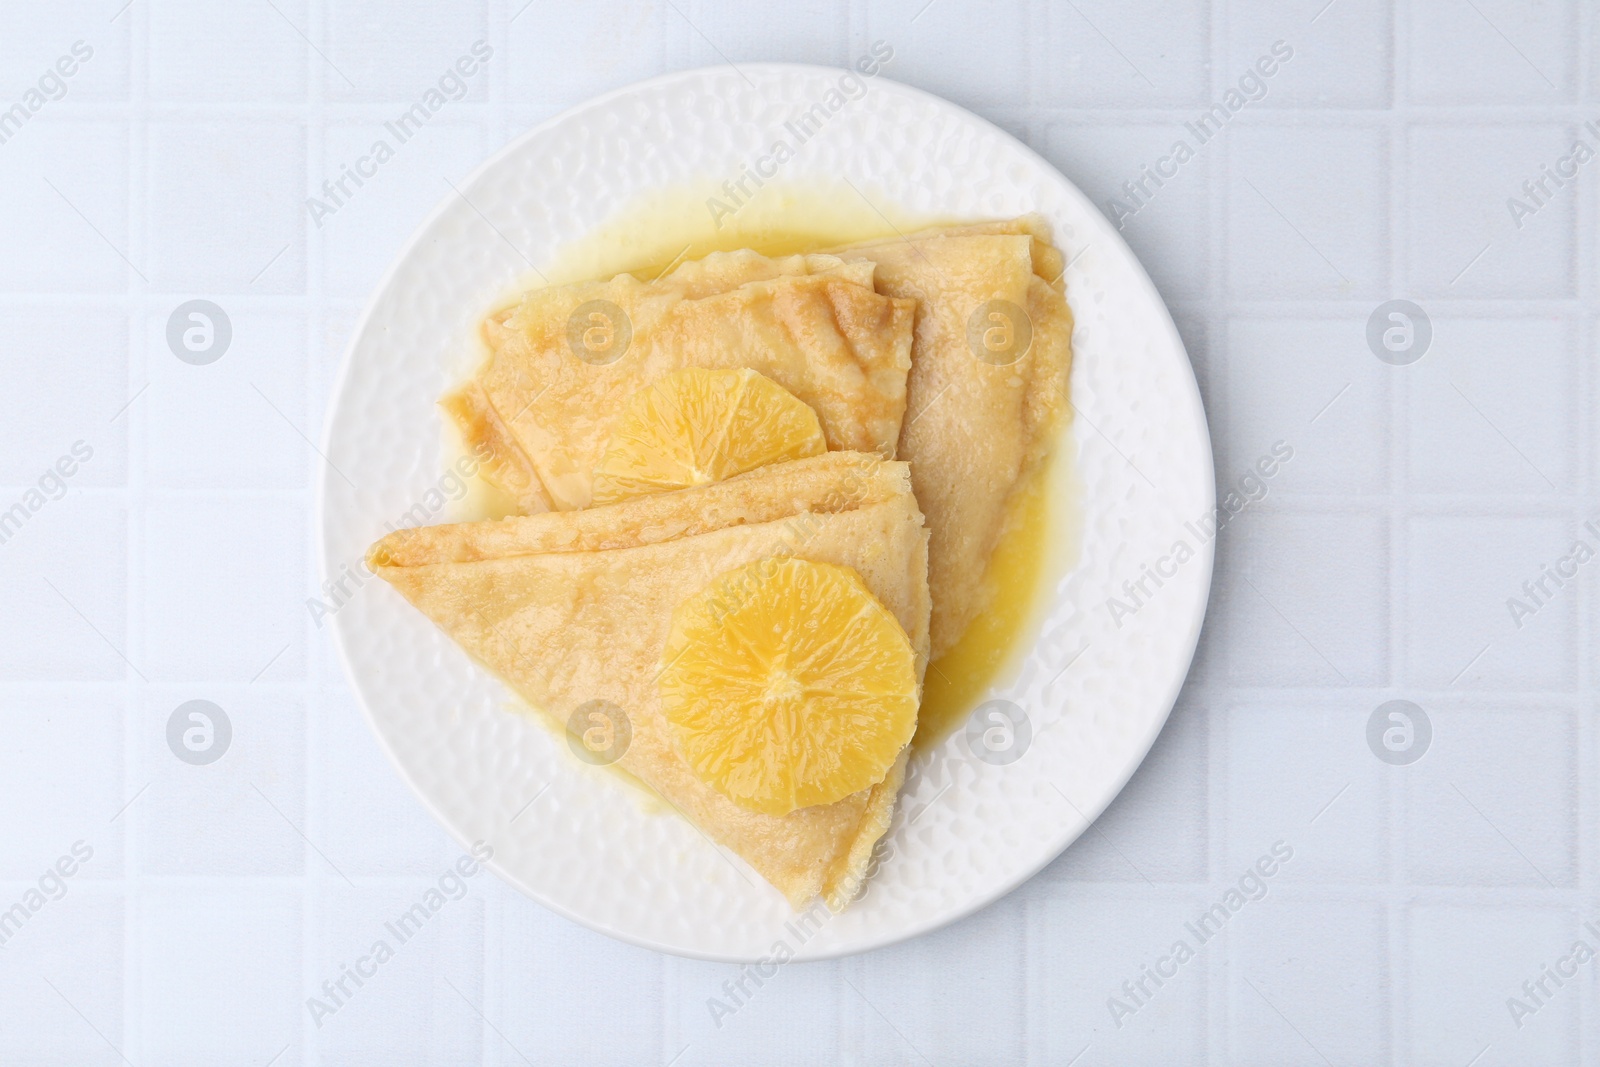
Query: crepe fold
[979,420]
[573,607]
[565,359]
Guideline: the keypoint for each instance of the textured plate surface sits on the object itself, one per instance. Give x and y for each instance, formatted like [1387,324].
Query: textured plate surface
[1096,688]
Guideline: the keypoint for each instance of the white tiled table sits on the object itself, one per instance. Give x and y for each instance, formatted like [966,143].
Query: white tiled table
[1378,164]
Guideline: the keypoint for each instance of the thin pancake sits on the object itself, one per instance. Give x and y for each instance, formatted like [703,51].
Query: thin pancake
[813,324]
[975,430]
[572,607]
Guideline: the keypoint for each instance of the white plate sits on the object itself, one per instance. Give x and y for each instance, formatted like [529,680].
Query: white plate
[1095,691]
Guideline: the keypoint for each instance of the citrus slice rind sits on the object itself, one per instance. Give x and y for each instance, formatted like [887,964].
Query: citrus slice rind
[696,426]
[787,684]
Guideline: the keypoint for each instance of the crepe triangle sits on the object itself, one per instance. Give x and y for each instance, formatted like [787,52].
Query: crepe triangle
[978,424]
[544,405]
[573,607]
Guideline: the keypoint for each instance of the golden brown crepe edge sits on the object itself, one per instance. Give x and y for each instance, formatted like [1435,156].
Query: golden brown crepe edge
[504,465]
[1048,262]
[866,476]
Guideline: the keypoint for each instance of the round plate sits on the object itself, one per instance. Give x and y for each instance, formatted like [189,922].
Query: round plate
[1094,691]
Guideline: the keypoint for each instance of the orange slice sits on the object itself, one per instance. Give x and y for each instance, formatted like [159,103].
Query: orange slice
[697,426]
[787,684]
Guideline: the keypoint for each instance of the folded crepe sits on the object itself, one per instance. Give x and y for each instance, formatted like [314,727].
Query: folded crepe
[564,361]
[573,607]
[986,393]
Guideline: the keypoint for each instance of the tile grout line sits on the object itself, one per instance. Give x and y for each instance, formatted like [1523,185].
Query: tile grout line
[137,451]
[1219,165]
[1396,924]
[1266,116]
[316,888]
[1583,478]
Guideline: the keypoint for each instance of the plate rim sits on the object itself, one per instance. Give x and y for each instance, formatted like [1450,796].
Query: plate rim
[1189,387]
